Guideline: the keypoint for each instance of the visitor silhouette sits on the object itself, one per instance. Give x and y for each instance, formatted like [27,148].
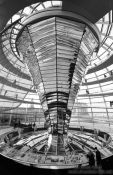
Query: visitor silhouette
[98,157]
[91,158]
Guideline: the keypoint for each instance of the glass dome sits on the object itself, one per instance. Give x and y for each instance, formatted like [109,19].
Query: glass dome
[91,115]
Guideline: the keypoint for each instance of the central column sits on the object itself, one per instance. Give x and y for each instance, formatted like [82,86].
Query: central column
[57,52]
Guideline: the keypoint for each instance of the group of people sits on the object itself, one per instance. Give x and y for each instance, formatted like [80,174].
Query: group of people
[94,158]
